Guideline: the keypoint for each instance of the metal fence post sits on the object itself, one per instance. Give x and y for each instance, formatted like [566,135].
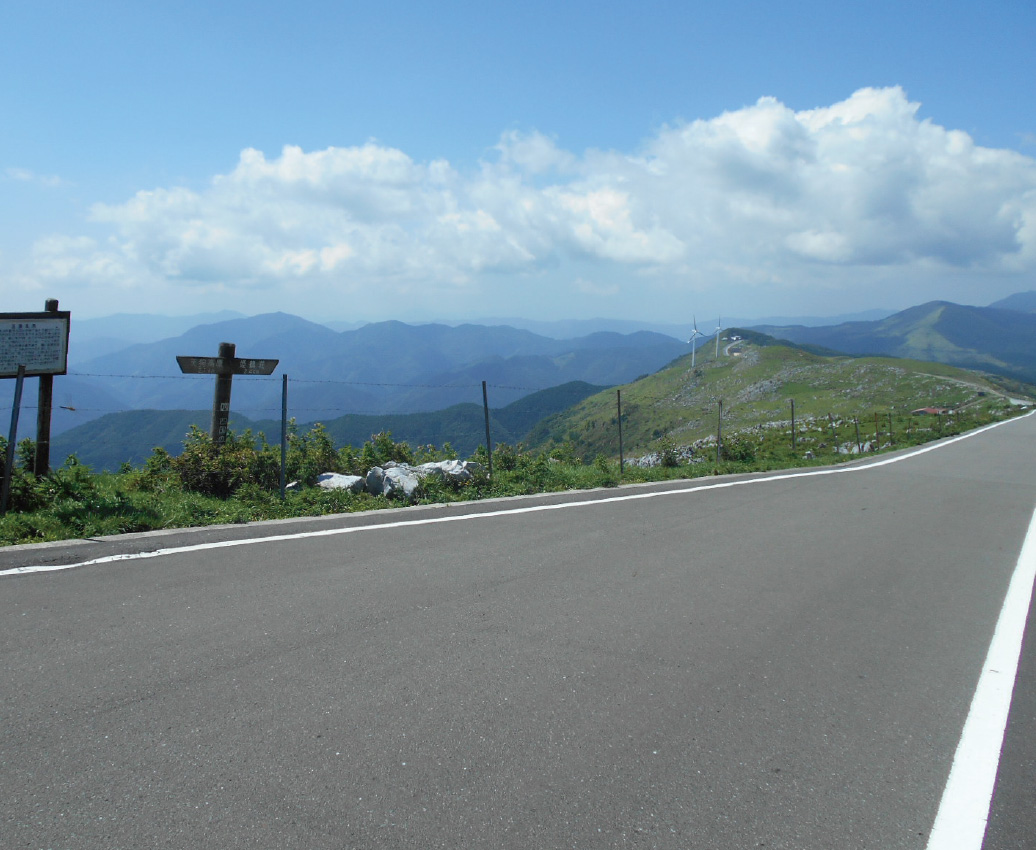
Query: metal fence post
[489,442]
[284,432]
[12,439]
[618,402]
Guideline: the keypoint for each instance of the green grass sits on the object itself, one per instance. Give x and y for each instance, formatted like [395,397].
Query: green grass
[575,450]
[757,388]
[108,504]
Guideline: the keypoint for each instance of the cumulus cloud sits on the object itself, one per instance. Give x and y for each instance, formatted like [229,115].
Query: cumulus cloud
[760,196]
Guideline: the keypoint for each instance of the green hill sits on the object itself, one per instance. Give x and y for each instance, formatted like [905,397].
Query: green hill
[129,436]
[756,382]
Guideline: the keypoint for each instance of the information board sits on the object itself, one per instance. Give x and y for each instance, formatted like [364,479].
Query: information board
[37,340]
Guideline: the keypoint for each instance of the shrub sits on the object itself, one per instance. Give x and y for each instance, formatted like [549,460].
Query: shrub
[505,457]
[212,470]
[310,454]
[607,471]
[737,449]
[668,456]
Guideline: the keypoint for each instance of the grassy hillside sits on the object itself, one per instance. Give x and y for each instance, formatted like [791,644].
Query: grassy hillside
[756,382]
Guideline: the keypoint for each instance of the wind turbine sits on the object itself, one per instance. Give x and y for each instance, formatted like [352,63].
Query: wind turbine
[719,330]
[694,335]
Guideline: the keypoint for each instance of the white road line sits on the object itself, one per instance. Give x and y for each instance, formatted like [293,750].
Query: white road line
[385,526]
[964,809]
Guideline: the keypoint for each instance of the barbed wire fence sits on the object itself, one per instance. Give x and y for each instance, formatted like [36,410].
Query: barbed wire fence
[310,415]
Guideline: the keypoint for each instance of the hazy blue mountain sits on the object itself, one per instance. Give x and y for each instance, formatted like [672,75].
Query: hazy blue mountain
[76,400]
[93,338]
[1022,302]
[385,367]
[987,338]
[144,327]
[570,328]
[130,436]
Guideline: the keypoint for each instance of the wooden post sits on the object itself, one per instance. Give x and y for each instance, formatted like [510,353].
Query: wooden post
[284,432]
[489,442]
[834,433]
[877,430]
[890,426]
[43,412]
[221,397]
[859,445]
[224,367]
[16,405]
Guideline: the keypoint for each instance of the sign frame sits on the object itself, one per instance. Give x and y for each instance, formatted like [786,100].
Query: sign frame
[55,365]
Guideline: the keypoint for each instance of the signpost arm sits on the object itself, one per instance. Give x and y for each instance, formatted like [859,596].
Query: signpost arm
[221,399]
[43,409]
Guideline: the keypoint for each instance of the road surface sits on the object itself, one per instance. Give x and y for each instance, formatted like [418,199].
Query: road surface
[781,661]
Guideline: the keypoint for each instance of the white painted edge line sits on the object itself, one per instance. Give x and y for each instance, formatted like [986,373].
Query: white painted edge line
[964,809]
[385,526]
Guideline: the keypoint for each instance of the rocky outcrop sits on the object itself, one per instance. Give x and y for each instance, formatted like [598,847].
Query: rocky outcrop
[337,481]
[398,480]
[454,471]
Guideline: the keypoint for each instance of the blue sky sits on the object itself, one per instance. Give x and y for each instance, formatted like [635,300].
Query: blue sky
[422,161]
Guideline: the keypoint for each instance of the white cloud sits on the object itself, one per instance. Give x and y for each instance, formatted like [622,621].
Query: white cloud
[24,175]
[761,198]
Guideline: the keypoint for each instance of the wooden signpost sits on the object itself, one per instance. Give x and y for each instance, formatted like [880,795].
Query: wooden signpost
[224,366]
[31,345]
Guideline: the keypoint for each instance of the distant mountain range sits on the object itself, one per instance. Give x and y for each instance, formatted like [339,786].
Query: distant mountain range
[1000,339]
[130,436]
[356,378]
[381,368]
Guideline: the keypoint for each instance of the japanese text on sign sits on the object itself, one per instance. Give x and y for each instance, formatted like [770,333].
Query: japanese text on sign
[40,344]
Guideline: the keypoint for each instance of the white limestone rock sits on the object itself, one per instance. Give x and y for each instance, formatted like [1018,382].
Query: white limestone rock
[400,482]
[337,481]
[376,481]
[395,481]
[454,471]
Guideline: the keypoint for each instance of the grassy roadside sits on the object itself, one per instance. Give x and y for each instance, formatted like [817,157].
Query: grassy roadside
[72,502]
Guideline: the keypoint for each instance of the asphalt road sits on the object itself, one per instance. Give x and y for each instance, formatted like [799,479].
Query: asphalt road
[780,663]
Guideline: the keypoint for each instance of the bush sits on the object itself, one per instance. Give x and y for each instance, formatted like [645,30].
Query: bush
[212,470]
[311,454]
[505,457]
[738,450]
[607,472]
[668,456]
